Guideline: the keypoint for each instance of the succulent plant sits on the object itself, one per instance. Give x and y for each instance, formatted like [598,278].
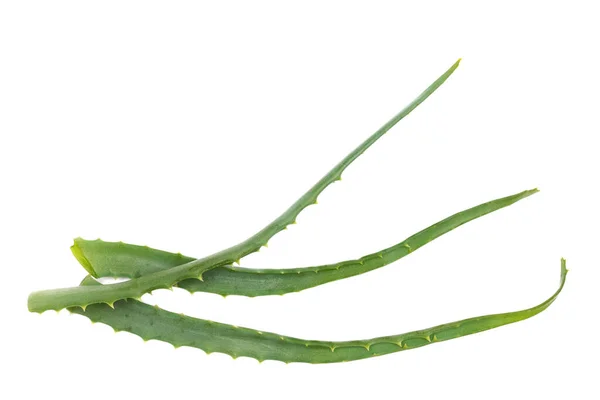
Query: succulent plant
[119,305]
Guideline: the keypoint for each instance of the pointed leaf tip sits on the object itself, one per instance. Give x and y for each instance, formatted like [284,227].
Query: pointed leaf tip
[563,266]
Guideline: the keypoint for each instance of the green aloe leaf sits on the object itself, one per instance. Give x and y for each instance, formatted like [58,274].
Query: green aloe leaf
[82,296]
[117,259]
[151,322]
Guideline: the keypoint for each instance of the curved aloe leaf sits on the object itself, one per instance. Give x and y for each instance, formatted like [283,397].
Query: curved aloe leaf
[150,322]
[117,259]
[82,296]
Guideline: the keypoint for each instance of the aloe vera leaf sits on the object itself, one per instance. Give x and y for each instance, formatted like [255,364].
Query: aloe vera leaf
[151,322]
[57,299]
[117,259]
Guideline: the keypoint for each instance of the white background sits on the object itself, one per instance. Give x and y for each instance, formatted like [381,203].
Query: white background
[188,126]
